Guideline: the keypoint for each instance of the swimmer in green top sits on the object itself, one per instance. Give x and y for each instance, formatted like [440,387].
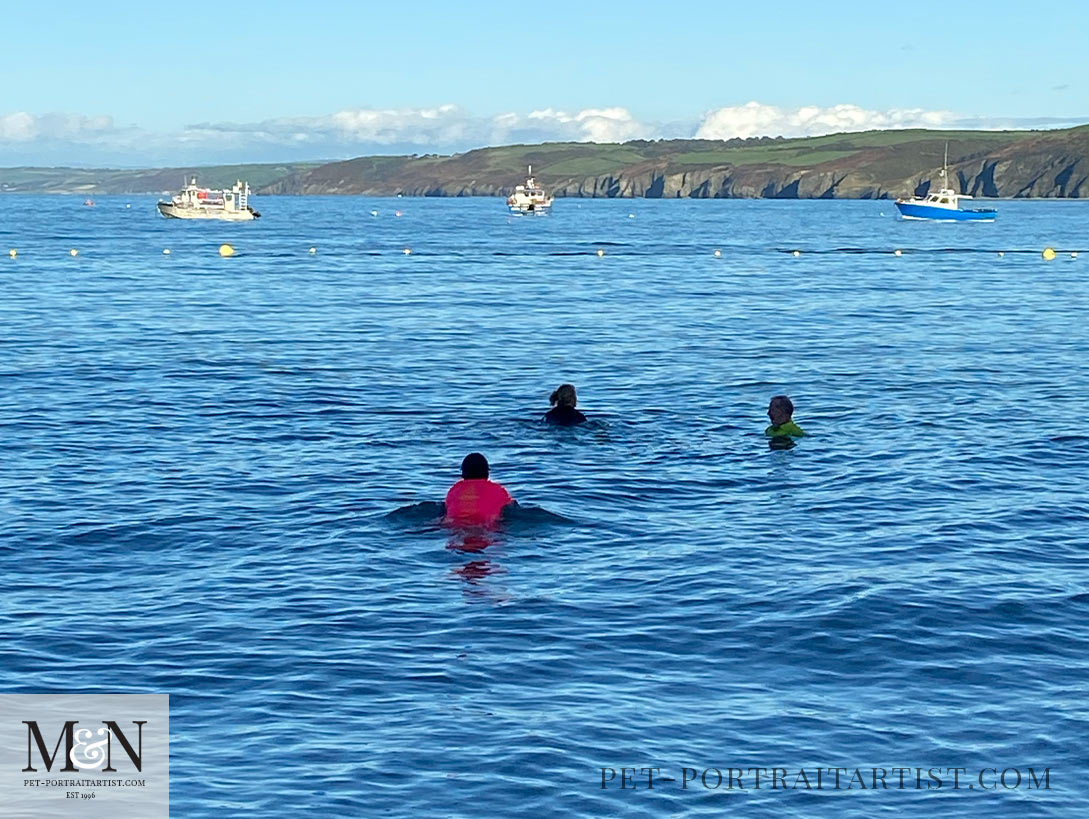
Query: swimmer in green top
[781,412]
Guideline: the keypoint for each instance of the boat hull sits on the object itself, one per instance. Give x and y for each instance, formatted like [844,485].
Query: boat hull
[172,211]
[530,210]
[911,210]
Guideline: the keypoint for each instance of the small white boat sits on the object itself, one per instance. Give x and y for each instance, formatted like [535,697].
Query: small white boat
[529,198]
[205,203]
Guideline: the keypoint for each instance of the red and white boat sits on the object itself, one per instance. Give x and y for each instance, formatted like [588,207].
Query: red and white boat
[205,203]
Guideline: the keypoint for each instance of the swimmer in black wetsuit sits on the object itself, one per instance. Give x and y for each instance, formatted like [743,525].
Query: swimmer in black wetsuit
[563,412]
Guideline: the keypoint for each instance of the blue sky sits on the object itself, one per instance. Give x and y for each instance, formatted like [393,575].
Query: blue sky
[147,83]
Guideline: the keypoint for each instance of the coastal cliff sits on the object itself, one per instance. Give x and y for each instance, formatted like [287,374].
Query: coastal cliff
[869,165]
[872,165]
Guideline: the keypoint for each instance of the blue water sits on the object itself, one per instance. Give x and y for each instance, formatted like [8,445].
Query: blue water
[211,471]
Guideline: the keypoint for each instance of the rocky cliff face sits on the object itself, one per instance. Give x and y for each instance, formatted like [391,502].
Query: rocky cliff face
[1043,164]
[1007,164]
[874,165]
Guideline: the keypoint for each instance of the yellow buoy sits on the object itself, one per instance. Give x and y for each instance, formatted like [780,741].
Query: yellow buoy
[73,252]
[313,250]
[166,251]
[797,253]
[1048,254]
[897,253]
[718,254]
[13,253]
[226,250]
[600,252]
[407,251]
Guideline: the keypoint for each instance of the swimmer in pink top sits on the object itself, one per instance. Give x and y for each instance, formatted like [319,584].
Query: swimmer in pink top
[474,500]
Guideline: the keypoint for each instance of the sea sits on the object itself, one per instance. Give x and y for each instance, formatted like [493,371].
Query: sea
[220,480]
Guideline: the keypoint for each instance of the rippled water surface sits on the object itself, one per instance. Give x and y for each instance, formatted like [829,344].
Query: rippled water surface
[211,469]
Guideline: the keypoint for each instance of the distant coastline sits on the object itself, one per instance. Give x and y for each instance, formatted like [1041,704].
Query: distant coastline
[867,165]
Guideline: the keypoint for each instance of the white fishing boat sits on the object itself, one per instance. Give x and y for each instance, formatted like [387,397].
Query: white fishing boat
[194,202]
[529,198]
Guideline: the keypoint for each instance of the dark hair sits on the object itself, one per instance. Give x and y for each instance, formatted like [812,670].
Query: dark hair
[782,401]
[563,396]
[474,467]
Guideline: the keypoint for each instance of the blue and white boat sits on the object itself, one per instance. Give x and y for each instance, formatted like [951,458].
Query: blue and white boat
[944,205]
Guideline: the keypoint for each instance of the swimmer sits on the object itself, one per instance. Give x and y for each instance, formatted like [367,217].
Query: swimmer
[563,412]
[781,413]
[475,500]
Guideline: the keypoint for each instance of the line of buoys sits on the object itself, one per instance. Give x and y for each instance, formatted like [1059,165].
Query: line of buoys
[1048,253]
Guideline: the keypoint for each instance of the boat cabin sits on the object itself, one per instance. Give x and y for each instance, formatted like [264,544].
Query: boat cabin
[945,198]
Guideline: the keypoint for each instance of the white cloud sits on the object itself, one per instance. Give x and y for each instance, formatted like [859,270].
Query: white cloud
[592,124]
[446,127]
[24,127]
[756,119]
[27,138]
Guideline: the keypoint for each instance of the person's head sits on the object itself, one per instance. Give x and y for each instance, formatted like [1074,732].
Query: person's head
[780,410]
[474,467]
[563,396]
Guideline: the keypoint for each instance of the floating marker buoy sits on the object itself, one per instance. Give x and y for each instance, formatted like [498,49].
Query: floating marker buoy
[631,215]
[166,251]
[397,213]
[226,250]
[897,253]
[374,213]
[313,250]
[797,253]
[407,251]
[1048,254]
[1074,255]
[128,206]
[1001,254]
[73,252]
[600,252]
[718,254]
[13,253]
